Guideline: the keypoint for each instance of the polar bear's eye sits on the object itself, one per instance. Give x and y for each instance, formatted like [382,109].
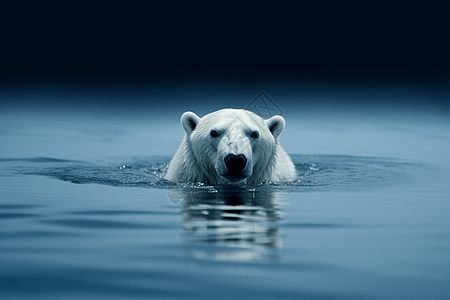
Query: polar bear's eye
[255,134]
[214,133]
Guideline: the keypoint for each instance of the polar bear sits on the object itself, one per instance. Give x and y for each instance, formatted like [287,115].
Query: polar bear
[232,146]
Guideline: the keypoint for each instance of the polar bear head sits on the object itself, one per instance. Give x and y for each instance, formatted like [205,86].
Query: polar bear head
[232,145]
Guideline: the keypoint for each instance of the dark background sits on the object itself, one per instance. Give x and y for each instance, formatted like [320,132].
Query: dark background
[81,47]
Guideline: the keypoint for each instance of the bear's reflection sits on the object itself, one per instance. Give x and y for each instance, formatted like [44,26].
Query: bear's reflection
[231,224]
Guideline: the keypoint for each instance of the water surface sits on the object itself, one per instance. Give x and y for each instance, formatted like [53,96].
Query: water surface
[85,212]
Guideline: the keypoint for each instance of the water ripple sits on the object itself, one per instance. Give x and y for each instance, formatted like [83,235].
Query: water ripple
[314,173]
[103,224]
[120,213]
[16,215]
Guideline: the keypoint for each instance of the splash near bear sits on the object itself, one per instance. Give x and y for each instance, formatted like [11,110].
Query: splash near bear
[233,146]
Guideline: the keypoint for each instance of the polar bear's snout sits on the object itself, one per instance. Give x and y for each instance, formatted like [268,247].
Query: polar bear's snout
[236,168]
[235,163]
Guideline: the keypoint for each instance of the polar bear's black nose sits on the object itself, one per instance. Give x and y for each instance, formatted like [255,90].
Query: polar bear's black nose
[235,163]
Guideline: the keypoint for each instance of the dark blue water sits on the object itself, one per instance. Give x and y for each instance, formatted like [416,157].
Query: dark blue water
[85,212]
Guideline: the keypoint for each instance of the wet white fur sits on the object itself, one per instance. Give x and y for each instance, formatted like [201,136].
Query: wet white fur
[200,157]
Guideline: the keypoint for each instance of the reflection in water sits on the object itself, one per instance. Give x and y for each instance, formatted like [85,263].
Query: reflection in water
[237,224]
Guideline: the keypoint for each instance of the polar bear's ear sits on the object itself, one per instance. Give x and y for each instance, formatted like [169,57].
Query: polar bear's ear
[275,125]
[189,121]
